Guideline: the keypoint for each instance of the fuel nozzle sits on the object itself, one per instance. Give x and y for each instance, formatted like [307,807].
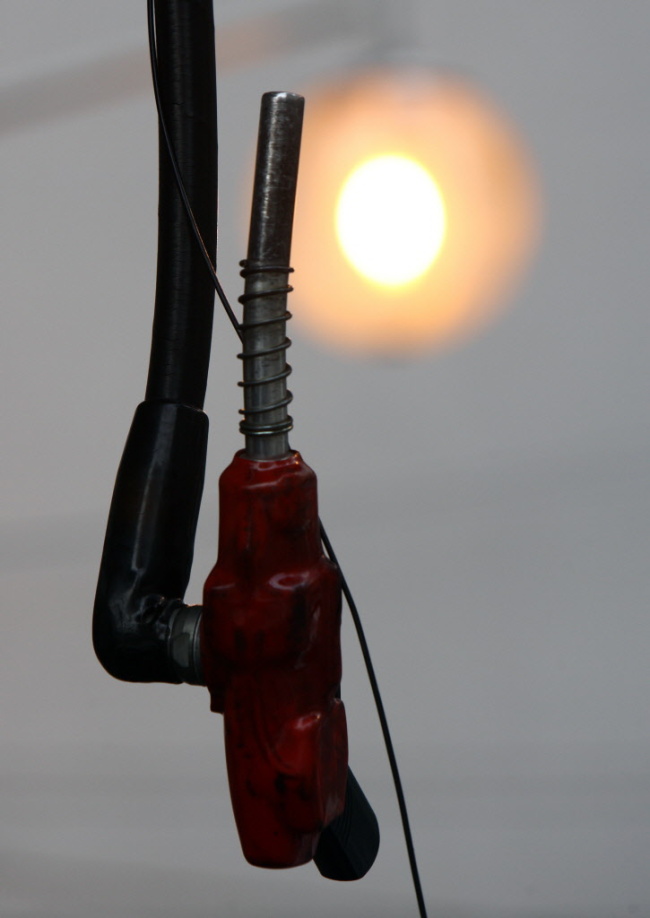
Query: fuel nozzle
[270,639]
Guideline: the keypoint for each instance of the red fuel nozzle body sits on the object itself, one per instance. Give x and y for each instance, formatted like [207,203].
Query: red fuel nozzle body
[272,660]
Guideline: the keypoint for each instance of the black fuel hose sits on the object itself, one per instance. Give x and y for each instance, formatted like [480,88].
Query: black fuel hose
[142,630]
[182,327]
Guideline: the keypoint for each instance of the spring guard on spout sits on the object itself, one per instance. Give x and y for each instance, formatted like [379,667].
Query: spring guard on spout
[266,641]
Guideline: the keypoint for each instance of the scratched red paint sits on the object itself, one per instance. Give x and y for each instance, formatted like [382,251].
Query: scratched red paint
[272,660]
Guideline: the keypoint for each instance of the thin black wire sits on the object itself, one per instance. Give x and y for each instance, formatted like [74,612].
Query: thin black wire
[381,713]
[153,60]
[354,612]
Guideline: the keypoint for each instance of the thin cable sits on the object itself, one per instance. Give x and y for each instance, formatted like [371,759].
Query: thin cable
[381,713]
[365,650]
[153,59]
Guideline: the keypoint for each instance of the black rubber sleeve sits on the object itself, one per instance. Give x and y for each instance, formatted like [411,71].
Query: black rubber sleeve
[149,543]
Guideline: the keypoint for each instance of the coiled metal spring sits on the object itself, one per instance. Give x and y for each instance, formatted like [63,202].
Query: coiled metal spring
[266,396]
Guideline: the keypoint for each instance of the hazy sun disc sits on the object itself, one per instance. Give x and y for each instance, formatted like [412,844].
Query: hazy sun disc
[390,219]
